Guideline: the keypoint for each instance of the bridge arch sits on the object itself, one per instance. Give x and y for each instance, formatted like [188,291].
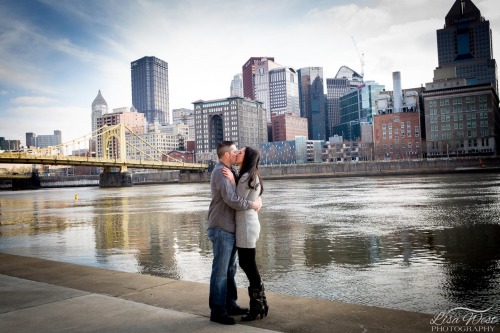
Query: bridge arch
[113,143]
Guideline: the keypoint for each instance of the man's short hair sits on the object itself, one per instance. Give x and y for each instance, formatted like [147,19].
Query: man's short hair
[223,147]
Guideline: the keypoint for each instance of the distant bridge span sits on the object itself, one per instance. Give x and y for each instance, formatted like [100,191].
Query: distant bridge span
[116,146]
[32,158]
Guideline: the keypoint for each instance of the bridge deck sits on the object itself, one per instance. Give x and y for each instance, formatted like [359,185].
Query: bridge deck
[10,177]
[28,158]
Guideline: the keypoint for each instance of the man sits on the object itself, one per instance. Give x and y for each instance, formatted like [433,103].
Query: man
[221,228]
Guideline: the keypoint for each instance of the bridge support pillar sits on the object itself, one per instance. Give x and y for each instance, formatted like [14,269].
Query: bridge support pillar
[115,179]
[27,183]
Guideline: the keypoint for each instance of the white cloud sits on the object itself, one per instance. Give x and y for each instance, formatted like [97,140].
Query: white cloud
[73,122]
[32,100]
[205,44]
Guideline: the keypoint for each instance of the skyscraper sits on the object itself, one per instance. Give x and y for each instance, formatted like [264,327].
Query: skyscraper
[261,79]
[461,104]
[150,89]
[99,109]
[283,92]
[345,80]
[248,70]
[465,48]
[237,85]
[312,101]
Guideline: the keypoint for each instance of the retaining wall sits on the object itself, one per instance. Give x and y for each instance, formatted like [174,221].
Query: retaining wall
[379,167]
[336,169]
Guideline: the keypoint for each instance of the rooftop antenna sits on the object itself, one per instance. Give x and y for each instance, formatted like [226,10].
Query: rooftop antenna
[361,59]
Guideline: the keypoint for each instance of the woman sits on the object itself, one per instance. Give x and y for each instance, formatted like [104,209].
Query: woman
[249,186]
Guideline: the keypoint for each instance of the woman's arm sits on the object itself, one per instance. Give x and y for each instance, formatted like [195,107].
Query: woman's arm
[231,198]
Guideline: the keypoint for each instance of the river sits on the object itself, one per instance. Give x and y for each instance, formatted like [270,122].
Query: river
[424,243]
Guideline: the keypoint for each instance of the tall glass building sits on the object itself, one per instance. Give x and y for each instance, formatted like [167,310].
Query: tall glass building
[357,107]
[312,101]
[465,46]
[150,89]
[345,80]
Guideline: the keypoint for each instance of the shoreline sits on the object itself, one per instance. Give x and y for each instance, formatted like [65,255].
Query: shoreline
[291,171]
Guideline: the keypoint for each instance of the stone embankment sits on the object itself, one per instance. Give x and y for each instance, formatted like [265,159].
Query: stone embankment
[371,168]
[291,171]
[382,168]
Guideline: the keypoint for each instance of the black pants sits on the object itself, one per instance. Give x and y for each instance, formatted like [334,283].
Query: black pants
[246,257]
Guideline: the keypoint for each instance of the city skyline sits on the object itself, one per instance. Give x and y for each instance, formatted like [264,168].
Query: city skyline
[56,55]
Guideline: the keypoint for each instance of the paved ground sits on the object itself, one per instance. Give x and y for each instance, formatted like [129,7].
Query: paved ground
[45,296]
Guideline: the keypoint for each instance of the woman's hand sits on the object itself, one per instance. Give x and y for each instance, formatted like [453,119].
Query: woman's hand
[229,175]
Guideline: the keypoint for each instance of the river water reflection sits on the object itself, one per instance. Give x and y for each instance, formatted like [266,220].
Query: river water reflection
[418,243]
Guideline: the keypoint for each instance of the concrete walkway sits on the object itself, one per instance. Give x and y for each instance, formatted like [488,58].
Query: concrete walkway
[46,296]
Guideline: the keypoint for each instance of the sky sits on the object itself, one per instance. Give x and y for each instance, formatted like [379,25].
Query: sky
[55,55]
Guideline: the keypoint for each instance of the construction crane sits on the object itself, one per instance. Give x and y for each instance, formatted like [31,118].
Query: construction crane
[361,58]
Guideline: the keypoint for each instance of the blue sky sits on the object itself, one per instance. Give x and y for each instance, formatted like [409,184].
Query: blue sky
[56,54]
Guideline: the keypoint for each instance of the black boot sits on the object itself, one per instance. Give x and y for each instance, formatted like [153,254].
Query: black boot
[258,304]
[264,300]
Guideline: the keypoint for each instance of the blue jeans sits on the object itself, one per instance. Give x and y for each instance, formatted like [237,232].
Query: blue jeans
[223,292]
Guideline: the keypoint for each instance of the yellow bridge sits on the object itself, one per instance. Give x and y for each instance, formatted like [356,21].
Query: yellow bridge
[115,146]
[35,158]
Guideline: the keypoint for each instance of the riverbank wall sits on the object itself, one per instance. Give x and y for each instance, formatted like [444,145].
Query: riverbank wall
[137,179]
[381,168]
[295,171]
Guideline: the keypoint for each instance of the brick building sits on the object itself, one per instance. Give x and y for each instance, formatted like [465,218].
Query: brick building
[397,136]
[286,127]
